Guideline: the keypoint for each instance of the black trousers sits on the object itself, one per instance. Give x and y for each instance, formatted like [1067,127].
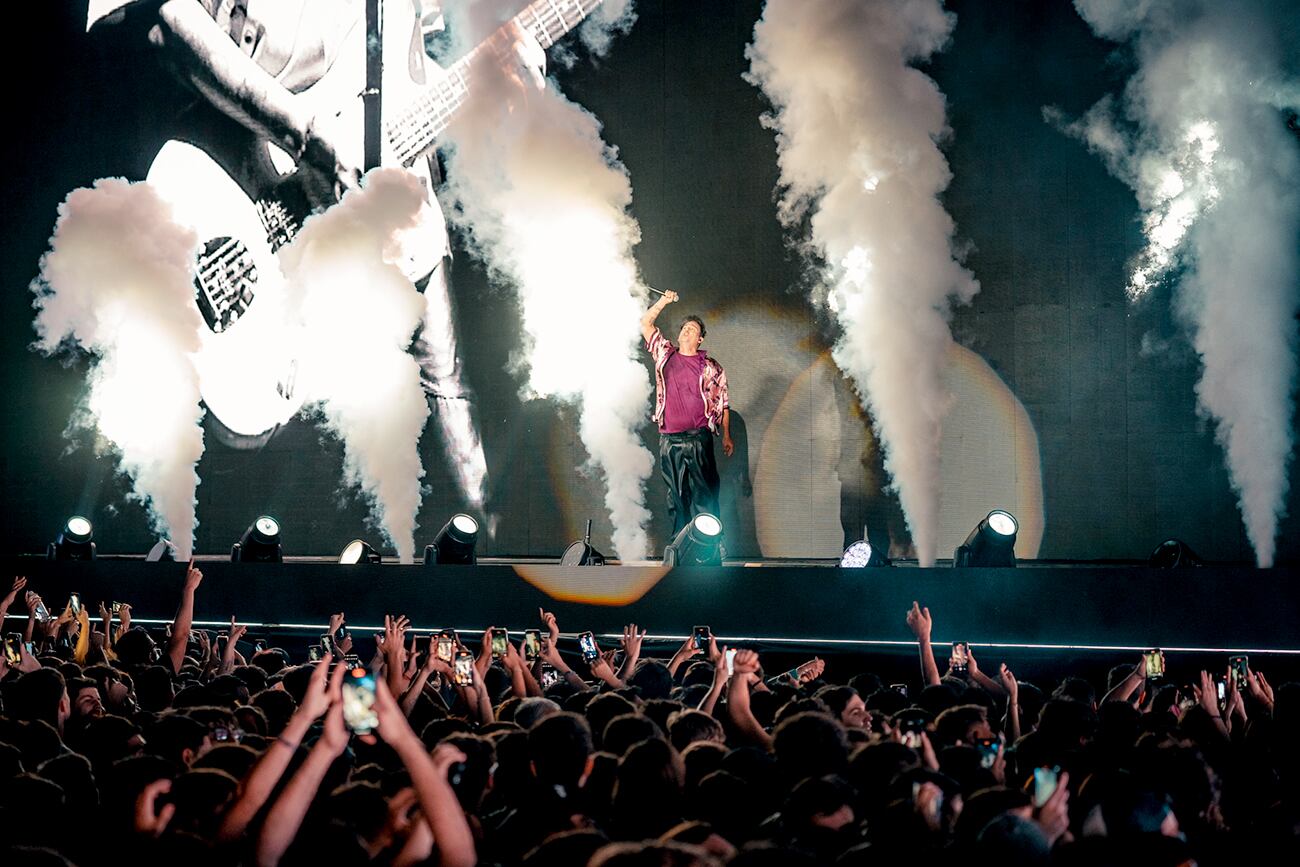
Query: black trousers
[688,466]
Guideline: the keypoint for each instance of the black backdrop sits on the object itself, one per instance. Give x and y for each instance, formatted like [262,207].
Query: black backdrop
[1125,459]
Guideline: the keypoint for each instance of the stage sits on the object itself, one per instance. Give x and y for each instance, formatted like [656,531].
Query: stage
[1055,609]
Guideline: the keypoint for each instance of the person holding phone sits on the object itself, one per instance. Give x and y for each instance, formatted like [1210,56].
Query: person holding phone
[691,407]
[8,599]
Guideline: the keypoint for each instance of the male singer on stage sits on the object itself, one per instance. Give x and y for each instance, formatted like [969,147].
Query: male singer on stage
[690,406]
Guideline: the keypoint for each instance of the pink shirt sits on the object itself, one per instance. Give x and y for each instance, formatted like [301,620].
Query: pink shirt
[683,402]
[712,381]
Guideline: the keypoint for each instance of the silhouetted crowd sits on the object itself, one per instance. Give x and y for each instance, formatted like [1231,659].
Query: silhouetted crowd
[119,745]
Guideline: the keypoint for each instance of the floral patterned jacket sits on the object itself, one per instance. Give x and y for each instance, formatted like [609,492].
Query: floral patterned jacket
[713,381]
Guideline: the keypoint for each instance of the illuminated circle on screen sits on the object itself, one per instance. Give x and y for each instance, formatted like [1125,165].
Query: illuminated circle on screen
[78,526]
[592,585]
[465,524]
[1002,523]
[267,526]
[708,525]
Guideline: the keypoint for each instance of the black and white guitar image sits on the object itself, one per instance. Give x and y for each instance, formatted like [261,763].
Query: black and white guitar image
[245,206]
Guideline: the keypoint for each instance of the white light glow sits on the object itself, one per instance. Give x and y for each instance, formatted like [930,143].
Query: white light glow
[708,525]
[1002,523]
[267,526]
[78,526]
[1184,188]
[856,555]
[352,553]
[465,524]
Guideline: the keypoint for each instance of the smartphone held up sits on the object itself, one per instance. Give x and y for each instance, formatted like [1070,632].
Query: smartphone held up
[359,701]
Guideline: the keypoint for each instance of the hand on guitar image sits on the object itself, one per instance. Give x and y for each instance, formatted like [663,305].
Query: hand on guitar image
[339,167]
[530,57]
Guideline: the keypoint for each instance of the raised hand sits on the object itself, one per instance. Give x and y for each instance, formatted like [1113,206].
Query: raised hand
[394,634]
[746,662]
[1259,688]
[918,620]
[151,819]
[193,576]
[1235,705]
[685,652]
[552,626]
[26,662]
[550,654]
[336,620]
[1009,683]
[19,583]
[512,658]
[393,727]
[124,615]
[412,658]
[928,802]
[715,654]
[631,640]
[316,700]
[334,733]
[237,631]
[1053,818]
[811,670]
[602,668]
[445,755]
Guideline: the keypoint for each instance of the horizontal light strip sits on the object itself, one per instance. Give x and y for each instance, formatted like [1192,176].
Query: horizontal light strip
[756,639]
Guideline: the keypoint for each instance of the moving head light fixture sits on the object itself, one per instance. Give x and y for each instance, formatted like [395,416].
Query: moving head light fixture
[862,554]
[454,544]
[580,553]
[992,543]
[259,544]
[74,541]
[162,552]
[699,543]
[1173,554]
[359,551]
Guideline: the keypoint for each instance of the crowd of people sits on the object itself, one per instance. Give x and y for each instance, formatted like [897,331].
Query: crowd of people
[119,745]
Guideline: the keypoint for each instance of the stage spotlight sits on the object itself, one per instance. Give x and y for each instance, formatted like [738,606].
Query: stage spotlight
[581,553]
[259,544]
[163,552]
[358,551]
[991,543]
[699,543]
[454,544]
[73,542]
[861,554]
[1173,554]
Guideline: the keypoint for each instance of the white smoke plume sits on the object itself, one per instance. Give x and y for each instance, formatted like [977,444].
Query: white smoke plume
[352,314]
[857,130]
[117,284]
[1199,136]
[544,201]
